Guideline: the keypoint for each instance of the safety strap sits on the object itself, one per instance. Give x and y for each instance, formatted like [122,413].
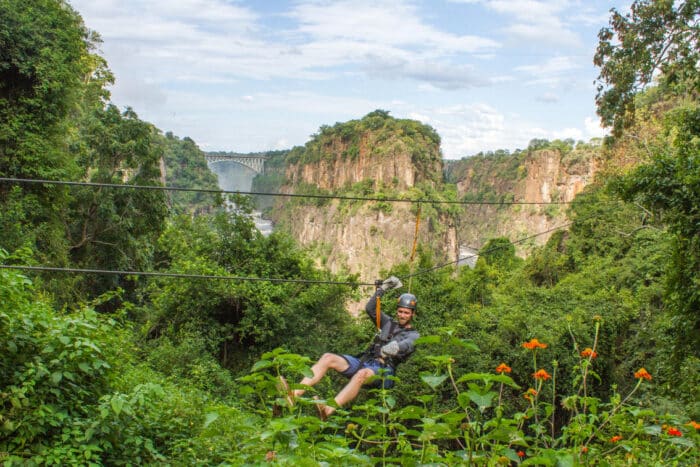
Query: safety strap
[378,312]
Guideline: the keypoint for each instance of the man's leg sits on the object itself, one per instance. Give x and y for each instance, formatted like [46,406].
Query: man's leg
[349,392]
[326,362]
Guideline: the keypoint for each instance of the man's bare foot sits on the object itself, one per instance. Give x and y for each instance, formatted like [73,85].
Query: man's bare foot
[289,395]
[324,410]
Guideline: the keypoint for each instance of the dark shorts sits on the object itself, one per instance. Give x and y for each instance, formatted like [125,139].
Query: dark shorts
[356,365]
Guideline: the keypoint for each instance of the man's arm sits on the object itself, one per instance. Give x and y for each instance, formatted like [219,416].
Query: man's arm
[402,345]
[371,307]
[392,282]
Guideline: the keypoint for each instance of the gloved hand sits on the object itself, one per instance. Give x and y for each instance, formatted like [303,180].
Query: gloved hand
[391,349]
[392,282]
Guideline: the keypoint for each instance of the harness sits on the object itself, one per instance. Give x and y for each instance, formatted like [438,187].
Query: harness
[380,340]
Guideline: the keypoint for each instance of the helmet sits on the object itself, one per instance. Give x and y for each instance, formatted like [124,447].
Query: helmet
[408,300]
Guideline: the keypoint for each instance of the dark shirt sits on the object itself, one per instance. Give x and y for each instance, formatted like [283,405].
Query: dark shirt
[391,330]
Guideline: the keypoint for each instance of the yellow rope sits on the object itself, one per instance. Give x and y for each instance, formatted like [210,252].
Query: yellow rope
[378,312]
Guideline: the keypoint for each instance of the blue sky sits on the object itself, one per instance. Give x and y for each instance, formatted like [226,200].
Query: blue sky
[250,76]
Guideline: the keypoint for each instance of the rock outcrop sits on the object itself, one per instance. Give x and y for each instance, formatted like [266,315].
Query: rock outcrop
[542,176]
[379,156]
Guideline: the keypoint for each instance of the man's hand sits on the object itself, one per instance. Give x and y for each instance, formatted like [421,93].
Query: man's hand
[392,282]
[391,349]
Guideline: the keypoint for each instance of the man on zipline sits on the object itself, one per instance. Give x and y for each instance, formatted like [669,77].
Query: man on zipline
[393,344]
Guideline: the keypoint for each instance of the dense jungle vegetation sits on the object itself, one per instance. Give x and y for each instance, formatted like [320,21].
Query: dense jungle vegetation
[585,353]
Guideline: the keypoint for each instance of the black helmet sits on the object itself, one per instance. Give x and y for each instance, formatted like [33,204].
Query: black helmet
[408,300]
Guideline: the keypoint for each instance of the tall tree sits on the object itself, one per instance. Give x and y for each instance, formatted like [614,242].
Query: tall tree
[657,37]
[113,228]
[43,64]
[661,38]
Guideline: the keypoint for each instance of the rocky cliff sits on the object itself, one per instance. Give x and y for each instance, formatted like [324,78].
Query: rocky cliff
[379,156]
[548,175]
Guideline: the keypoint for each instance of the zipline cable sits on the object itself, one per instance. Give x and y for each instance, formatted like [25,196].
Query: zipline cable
[262,279]
[488,250]
[288,195]
[176,275]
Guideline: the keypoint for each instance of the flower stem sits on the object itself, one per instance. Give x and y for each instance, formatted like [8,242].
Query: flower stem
[612,412]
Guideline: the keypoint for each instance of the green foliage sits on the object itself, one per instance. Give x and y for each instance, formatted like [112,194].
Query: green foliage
[380,135]
[669,188]
[237,316]
[656,36]
[115,229]
[186,167]
[53,367]
[44,60]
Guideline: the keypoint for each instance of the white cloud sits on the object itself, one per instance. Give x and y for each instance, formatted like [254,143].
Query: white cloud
[535,20]
[593,128]
[438,75]
[248,76]
[552,71]
[392,22]
[548,98]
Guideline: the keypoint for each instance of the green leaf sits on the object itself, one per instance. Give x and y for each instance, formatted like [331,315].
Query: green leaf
[56,377]
[483,401]
[262,364]
[117,404]
[428,340]
[210,418]
[433,380]
[687,442]
[539,461]
[465,343]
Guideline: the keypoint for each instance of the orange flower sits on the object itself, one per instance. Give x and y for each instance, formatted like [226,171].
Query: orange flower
[534,344]
[642,373]
[542,374]
[521,454]
[584,449]
[270,456]
[615,439]
[503,368]
[673,431]
[695,425]
[589,352]
[530,392]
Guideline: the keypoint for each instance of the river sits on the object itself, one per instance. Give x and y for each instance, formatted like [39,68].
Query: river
[236,177]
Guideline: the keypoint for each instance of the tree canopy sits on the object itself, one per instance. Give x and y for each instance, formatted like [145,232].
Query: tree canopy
[656,39]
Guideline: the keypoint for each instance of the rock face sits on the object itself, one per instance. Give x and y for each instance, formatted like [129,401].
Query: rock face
[542,176]
[381,157]
[392,168]
[402,161]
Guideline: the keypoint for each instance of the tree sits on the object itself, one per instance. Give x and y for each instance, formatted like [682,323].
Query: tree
[44,61]
[669,187]
[656,37]
[116,228]
[186,167]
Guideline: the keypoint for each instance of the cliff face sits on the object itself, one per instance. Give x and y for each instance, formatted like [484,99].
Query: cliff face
[390,167]
[381,156]
[533,177]
[387,159]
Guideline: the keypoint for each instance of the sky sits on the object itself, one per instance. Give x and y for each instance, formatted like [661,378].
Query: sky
[249,76]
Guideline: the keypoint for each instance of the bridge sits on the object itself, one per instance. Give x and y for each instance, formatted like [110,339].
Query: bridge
[253,162]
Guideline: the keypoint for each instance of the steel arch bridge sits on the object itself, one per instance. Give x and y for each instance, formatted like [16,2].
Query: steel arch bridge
[255,163]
